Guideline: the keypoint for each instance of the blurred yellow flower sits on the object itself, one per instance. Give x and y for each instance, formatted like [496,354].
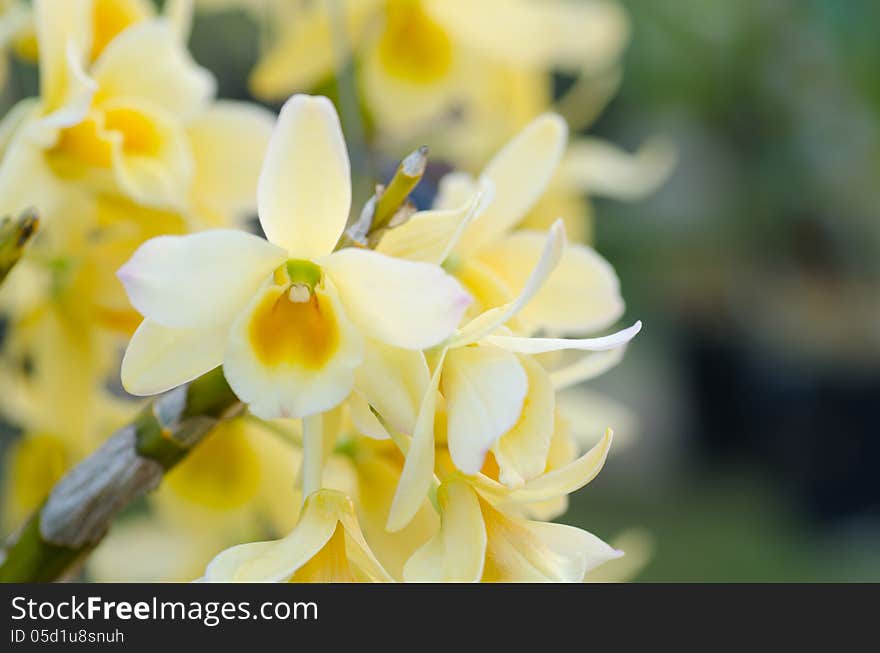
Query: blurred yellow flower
[124,109]
[429,66]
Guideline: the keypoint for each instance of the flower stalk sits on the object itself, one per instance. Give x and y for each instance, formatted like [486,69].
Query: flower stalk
[395,194]
[313,454]
[387,203]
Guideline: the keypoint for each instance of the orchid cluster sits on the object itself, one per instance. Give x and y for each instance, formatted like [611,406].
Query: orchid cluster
[399,380]
[425,343]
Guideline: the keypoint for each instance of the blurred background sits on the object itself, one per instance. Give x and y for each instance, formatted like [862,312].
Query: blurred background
[755,269]
[747,406]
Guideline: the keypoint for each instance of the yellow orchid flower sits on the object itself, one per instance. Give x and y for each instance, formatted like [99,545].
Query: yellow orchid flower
[436,64]
[493,259]
[325,546]
[480,540]
[478,543]
[128,132]
[107,19]
[495,399]
[124,109]
[573,290]
[483,55]
[283,315]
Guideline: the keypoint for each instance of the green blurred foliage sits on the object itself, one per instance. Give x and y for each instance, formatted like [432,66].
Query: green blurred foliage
[767,236]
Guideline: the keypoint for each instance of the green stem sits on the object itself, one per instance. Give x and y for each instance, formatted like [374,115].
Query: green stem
[380,210]
[405,179]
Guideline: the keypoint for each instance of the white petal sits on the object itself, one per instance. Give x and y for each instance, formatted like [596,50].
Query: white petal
[520,173]
[543,345]
[225,566]
[521,453]
[581,295]
[484,389]
[310,378]
[393,381]
[489,321]
[407,304]
[147,62]
[583,550]
[553,484]
[429,236]
[418,470]
[158,358]
[364,419]
[519,550]
[304,190]
[199,279]
[638,546]
[359,552]
[277,561]
[457,553]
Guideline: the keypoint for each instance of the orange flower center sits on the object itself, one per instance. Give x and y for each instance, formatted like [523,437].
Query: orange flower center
[300,333]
